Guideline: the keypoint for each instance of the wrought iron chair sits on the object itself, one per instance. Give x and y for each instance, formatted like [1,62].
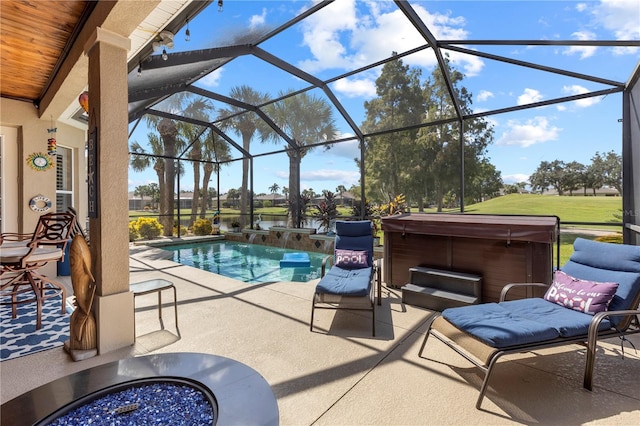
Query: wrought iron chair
[20,278]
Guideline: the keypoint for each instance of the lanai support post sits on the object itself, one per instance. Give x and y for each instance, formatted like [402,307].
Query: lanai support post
[107,180]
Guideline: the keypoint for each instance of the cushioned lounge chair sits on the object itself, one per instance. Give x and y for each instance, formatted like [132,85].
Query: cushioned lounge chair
[349,283]
[596,295]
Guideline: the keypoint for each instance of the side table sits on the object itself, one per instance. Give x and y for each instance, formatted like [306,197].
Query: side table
[157,286]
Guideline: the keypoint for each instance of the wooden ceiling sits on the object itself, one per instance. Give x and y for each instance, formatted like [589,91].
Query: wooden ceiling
[35,36]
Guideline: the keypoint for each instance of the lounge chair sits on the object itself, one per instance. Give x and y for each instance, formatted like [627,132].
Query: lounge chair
[349,283]
[595,295]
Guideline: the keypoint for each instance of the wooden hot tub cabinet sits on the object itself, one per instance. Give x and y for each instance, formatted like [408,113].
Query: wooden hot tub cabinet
[502,249]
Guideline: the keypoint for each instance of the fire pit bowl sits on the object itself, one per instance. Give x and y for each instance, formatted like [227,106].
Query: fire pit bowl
[225,386]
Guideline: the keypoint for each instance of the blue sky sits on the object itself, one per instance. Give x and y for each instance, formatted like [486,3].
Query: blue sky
[349,34]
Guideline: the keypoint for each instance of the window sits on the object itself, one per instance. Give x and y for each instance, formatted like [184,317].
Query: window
[64,179]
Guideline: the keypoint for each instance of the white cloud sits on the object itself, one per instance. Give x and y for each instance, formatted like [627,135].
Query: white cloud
[484,95]
[348,149]
[533,131]
[346,35]
[356,87]
[578,90]
[322,175]
[619,17]
[515,178]
[583,51]
[581,7]
[212,79]
[530,96]
[329,174]
[258,20]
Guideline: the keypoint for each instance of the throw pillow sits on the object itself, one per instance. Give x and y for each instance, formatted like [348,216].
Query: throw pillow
[352,259]
[585,296]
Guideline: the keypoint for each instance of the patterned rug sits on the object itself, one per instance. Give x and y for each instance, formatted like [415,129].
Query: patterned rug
[18,337]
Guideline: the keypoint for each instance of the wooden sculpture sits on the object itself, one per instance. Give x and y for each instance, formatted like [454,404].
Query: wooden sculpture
[83,323]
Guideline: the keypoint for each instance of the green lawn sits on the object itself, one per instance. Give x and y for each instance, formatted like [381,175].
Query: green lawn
[569,209]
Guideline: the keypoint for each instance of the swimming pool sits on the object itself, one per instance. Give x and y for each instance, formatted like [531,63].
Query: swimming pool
[251,263]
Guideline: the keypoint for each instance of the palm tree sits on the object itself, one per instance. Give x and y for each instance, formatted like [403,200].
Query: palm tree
[233,195]
[154,193]
[341,189]
[213,149]
[307,120]
[141,191]
[150,159]
[171,143]
[198,109]
[170,139]
[246,123]
[274,190]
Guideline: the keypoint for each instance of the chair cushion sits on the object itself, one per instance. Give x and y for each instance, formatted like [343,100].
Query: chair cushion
[41,254]
[352,259]
[608,262]
[497,326]
[567,322]
[346,282]
[585,296]
[355,235]
[353,228]
[519,322]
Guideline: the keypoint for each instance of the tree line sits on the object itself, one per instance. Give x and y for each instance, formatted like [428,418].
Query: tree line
[424,163]
[605,170]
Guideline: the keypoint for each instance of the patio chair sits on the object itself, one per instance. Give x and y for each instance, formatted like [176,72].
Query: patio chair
[349,282]
[20,264]
[595,295]
[77,228]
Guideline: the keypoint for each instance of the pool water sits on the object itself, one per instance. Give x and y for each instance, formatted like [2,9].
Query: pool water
[251,263]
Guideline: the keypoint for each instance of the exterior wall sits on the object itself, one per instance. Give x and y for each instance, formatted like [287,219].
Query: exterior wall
[30,135]
[25,134]
[10,217]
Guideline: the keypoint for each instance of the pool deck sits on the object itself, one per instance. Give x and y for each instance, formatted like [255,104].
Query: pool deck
[341,375]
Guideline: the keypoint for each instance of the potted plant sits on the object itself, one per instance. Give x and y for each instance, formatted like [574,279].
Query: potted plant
[235,226]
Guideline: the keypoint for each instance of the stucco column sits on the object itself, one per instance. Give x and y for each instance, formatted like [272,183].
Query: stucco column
[107,164]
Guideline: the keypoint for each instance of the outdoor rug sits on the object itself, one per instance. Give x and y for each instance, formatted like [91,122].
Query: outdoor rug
[19,337]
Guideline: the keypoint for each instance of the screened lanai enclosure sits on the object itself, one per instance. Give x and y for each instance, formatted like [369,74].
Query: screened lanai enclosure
[240,104]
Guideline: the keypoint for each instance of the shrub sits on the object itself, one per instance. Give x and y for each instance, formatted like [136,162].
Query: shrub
[148,227]
[133,231]
[613,238]
[183,230]
[327,210]
[202,227]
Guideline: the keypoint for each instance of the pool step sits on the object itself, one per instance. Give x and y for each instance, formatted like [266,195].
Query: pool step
[295,260]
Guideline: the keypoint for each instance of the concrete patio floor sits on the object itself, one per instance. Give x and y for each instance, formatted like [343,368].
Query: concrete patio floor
[341,375]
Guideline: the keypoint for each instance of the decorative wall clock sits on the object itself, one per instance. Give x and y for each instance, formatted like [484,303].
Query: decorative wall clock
[40,161]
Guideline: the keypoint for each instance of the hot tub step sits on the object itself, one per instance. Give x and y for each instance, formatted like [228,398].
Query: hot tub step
[434,298]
